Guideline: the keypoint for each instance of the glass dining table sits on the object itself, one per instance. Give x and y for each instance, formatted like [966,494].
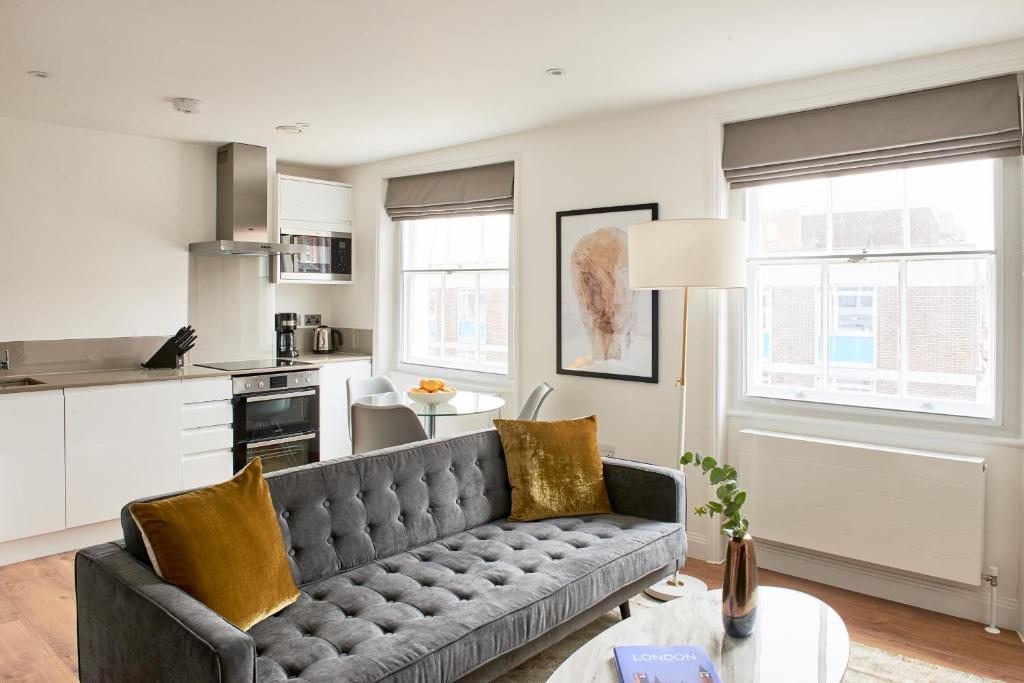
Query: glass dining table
[464,403]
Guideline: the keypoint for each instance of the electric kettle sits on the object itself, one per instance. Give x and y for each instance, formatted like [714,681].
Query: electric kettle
[323,339]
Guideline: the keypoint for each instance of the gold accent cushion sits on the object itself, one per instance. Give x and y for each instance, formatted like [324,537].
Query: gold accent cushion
[222,545]
[554,467]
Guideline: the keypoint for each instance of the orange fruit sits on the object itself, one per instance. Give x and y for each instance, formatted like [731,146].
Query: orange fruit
[432,384]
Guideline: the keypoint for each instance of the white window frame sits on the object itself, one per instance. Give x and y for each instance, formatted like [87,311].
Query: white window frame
[471,374]
[1005,281]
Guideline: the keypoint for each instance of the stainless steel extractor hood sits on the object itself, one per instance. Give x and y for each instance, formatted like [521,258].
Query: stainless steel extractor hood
[242,206]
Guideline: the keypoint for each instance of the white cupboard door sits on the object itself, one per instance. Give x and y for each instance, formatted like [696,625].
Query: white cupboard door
[206,469]
[32,464]
[122,442]
[314,201]
[335,441]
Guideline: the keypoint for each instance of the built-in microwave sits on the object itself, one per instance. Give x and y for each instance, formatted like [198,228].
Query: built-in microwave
[328,256]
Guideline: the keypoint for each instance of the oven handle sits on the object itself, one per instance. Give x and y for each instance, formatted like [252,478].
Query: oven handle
[277,442]
[274,397]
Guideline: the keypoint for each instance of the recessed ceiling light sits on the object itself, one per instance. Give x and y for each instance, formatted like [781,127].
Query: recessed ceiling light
[38,74]
[187,105]
[555,71]
[293,130]
[303,125]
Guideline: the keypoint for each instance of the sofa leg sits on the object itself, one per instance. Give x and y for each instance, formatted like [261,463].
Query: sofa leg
[624,609]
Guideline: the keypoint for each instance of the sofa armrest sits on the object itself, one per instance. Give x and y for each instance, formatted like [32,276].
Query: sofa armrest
[134,626]
[647,491]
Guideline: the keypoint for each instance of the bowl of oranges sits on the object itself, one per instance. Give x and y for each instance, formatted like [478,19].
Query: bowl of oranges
[432,391]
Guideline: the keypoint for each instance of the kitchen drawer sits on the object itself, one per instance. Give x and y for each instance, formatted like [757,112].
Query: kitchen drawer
[205,439]
[205,469]
[208,414]
[206,389]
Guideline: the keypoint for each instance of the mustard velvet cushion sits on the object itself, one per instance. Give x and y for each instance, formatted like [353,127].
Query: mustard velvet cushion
[554,468]
[222,545]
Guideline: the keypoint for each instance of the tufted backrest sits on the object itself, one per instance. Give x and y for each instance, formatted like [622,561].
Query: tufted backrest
[343,513]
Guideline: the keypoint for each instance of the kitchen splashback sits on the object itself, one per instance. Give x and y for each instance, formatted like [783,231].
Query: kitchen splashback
[353,340]
[76,355]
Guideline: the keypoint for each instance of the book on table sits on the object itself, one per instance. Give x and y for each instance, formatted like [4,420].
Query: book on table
[675,664]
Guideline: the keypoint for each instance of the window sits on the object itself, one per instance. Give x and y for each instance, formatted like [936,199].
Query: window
[876,289]
[851,339]
[455,292]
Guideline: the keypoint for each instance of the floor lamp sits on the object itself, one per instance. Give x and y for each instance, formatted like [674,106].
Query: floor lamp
[706,253]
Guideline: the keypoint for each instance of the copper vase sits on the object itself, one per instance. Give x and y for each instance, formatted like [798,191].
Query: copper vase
[739,588]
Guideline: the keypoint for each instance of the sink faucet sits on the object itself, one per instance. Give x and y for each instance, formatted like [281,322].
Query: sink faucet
[5,364]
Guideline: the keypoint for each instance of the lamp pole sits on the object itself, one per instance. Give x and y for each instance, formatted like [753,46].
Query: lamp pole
[678,584]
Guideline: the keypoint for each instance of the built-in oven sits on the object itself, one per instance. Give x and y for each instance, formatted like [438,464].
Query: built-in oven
[327,258]
[277,418]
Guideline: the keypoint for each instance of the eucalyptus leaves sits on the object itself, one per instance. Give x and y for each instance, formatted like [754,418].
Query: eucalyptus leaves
[730,496]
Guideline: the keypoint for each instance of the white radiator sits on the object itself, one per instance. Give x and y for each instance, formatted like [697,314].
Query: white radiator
[911,510]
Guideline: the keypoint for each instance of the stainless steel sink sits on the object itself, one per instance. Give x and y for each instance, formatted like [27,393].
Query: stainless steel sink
[20,382]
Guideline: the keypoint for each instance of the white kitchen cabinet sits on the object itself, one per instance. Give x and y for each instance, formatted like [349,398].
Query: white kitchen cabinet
[335,441]
[311,203]
[206,469]
[121,442]
[31,463]
[206,432]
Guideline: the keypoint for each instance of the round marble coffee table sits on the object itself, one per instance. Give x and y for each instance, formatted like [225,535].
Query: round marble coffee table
[797,638]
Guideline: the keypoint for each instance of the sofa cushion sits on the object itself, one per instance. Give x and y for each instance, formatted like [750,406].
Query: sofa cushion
[438,611]
[554,468]
[221,545]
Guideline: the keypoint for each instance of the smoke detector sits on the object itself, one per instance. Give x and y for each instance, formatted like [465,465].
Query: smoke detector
[187,105]
[555,71]
[292,130]
[38,74]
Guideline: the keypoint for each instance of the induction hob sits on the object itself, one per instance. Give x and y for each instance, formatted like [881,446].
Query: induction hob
[260,364]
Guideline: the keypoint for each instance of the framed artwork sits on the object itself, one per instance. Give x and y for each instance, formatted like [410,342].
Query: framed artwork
[604,328]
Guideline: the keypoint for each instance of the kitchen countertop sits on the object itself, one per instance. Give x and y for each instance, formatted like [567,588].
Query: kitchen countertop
[98,378]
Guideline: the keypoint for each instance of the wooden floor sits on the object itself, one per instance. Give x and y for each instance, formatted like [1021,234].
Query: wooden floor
[37,624]
[909,631]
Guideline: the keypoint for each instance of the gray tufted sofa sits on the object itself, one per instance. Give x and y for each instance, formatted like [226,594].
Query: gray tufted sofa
[409,572]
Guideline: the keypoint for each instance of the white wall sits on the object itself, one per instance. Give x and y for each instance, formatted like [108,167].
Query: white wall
[94,229]
[633,158]
[669,154]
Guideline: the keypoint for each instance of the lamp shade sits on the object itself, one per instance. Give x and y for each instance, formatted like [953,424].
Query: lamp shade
[690,252]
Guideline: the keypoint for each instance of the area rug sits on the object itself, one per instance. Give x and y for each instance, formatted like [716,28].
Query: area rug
[867,664]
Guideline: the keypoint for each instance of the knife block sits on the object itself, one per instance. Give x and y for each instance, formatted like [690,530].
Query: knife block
[166,357]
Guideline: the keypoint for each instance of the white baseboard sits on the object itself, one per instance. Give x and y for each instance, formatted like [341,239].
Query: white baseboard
[59,541]
[696,545]
[966,602]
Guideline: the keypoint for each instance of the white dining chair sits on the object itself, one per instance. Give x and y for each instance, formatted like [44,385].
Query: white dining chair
[376,427]
[361,387]
[531,408]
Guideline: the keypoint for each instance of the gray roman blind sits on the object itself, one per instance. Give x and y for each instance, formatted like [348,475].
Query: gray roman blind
[957,122]
[481,189]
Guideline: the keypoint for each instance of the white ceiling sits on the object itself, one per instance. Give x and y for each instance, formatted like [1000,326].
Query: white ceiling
[379,78]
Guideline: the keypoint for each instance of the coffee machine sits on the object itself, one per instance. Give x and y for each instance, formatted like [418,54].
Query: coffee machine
[284,325]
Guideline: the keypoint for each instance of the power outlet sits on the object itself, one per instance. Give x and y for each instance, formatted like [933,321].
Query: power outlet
[311,320]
